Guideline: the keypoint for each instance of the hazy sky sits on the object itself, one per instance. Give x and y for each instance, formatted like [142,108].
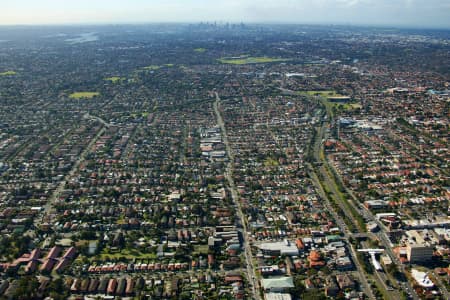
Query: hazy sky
[418,13]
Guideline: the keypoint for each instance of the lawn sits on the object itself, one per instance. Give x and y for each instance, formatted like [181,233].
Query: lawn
[115,79]
[84,95]
[200,50]
[8,73]
[250,60]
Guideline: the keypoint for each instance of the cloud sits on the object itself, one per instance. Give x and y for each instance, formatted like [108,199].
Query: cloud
[352,2]
[378,12]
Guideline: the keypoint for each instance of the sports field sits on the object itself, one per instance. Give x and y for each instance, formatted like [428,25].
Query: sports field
[8,73]
[250,60]
[84,95]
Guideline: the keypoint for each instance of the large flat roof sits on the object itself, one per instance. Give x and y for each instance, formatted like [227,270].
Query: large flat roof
[277,283]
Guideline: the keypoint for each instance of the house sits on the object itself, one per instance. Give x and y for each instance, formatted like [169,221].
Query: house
[331,287]
[344,282]
[315,259]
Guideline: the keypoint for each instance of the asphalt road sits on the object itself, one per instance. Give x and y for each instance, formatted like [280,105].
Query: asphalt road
[443,289]
[49,206]
[229,176]
[386,243]
[362,276]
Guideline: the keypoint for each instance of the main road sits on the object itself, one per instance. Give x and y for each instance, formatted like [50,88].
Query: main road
[234,195]
[48,208]
[382,236]
[340,222]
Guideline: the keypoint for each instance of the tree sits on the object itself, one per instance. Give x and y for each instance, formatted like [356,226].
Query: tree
[26,288]
[312,272]
[57,289]
[299,286]
[314,294]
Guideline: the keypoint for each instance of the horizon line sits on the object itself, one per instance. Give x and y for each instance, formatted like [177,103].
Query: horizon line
[72,24]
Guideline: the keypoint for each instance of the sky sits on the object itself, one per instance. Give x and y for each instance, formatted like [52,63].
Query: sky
[409,13]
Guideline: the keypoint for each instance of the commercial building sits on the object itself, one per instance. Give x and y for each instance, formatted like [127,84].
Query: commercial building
[277,284]
[279,248]
[419,253]
[277,296]
[376,204]
[422,278]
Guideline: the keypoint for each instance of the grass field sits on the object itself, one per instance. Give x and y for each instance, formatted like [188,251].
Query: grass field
[328,104]
[156,67]
[143,114]
[270,162]
[200,50]
[152,68]
[115,79]
[200,250]
[84,95]
[320,93]
[350,106]
[127,253]
[8,73]
[250,60]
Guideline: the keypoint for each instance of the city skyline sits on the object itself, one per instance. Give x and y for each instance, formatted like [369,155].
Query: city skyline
[403,13]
